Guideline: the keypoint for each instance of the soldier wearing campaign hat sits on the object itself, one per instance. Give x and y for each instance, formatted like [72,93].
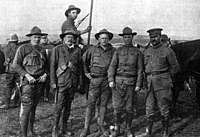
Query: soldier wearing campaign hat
[31,64]
[72,13]
[125,78]
[12,77]
[160,65]
[96,62]
[65,75]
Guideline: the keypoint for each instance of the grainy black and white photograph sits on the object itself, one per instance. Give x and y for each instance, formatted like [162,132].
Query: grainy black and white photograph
[100,68]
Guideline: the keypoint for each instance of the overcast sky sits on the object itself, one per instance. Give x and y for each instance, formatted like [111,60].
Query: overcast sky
[180,19]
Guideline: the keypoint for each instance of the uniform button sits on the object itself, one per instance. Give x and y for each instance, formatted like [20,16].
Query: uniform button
[151,62]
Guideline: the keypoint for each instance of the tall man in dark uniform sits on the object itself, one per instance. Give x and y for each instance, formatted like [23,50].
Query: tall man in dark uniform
[71,13]
[48,48]
[31,63]
[11,76]
[65,76]
[96,63]
[125,79]
[160,65]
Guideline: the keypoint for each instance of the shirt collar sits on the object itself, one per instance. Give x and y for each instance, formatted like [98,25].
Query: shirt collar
[71,20]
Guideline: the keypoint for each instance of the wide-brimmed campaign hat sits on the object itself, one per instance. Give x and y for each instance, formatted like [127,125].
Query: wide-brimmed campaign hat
[72,7]
[69,32]
[128,31]
[13,38]
[35,31]
[104,31]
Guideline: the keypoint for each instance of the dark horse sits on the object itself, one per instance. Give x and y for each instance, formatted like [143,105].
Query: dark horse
[188,56]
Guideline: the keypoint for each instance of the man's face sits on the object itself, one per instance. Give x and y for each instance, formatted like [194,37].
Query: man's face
[73,14]
[13,44]
[128,39]
[155,40]
[35,39]
[103,39]
[44,39]
[69,40]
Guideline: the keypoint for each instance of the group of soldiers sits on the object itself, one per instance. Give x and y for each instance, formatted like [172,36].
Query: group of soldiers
[117,74]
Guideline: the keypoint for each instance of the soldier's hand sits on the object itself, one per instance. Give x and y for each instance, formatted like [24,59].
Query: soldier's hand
[89,28]
[53,86]
[43,78]
[30,78]
[88,75]
[137,89]
[111,84]
[70,65]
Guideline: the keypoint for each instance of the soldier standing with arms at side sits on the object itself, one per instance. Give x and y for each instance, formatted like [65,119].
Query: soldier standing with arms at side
[66,65]
[125,79]
[31,63]
[160,65]
[48,48]
[11,76]
[96,63]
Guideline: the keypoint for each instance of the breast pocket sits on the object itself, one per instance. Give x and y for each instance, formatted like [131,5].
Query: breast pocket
[123,57]
[96,58]
[161,60]
[132,58]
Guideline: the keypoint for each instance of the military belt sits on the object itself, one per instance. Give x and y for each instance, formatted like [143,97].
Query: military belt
[154,73]
[99,75]
[126,75]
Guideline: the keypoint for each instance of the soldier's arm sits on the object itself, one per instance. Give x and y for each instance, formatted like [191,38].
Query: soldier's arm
[140,68]
[18,61]
[113,67]
[53,67]
[87,59]
[172,60]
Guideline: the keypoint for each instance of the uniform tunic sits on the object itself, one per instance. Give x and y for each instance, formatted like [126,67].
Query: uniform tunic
[160,64]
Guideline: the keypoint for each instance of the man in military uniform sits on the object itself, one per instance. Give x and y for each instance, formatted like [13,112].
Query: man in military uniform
[66,65]
[31,63]
[48,48]
[96,63]
[165,40]
[72,13]
[160,65]
[125,79]
[11,76]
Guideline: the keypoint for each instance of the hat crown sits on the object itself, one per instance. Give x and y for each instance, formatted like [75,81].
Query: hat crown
[103,31]
[127,30]
[70,31]
[35,30]
[13,37]
[71,7]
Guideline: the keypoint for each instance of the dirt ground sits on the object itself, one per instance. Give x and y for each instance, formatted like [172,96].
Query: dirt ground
[187,126]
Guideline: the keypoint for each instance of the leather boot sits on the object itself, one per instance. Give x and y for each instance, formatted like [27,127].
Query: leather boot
[117,118]
[149,127]
[23,125]
[31,124]
[129,132]
[88,117]
[165,122]
[64,130]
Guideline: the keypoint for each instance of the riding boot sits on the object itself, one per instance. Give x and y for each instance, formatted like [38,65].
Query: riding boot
[165,127]
[129,132]
[88,117]
[31,124]
[55,128]
[23,125]
[117,118]
[149,127]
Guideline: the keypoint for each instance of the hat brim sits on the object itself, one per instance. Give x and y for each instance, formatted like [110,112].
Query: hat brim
[133,34]
[31,34]
[110,35]
[13,40]
[63,35]
[68,10]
